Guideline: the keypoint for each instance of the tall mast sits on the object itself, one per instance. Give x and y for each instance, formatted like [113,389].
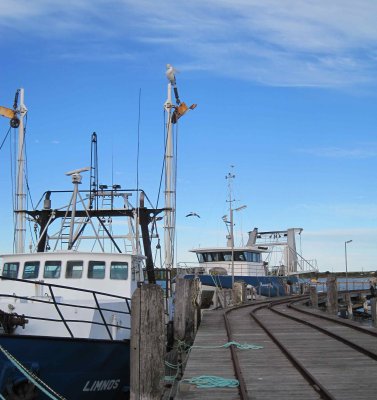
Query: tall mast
[20,194]
[174,112]
[169,220]
[230,178]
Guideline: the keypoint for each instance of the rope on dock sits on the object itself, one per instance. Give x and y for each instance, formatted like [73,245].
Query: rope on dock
[240,346]
[32,377]
[210,381]
[244,346]
[185,347]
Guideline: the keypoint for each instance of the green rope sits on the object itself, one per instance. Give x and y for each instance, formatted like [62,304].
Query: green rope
[210,381]
[30,376]
[184,346]
[240,346]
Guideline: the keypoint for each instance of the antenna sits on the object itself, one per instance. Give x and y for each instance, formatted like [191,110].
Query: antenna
[77,171]
[76,177]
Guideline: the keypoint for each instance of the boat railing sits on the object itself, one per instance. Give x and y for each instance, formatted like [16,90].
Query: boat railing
[238,268]
[342,285]
[53,300]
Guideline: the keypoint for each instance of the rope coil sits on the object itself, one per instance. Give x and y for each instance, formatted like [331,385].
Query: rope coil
[211,381]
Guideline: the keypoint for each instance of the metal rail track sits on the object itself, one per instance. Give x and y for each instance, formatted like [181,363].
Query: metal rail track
[316,385]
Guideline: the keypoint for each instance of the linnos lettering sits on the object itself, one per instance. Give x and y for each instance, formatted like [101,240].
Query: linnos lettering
[97,386]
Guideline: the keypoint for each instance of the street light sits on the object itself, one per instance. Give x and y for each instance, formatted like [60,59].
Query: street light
[348,299]
[345,256]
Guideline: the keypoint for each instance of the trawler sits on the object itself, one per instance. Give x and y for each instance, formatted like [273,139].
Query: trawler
[65,305]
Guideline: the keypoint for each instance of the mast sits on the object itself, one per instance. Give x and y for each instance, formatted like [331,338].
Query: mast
[174,112]
[20,194]
[169,225]
[230,178]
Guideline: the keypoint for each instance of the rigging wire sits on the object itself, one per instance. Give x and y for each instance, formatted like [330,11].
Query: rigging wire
[154,226]
[137,174]
[13,157]
[5,138]
[28,197]
[163,159]
[174,235]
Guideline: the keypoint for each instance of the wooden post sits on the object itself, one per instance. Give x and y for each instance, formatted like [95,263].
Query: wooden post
[147,343]
[332,295]
[373,310]
[186,299]
[238,292]
[313,296]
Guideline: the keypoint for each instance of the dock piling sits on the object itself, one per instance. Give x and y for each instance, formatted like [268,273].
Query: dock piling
[147,343]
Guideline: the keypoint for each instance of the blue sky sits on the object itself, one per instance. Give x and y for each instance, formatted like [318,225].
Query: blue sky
[286,92]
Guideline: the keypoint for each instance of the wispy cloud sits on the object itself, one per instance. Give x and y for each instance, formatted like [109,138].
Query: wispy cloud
[292,43]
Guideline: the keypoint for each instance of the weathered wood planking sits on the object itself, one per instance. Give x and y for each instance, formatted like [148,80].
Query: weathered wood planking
[347,374]
[207,361]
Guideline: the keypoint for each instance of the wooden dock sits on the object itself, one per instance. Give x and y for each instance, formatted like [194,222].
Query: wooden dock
[344,372]
[205,360]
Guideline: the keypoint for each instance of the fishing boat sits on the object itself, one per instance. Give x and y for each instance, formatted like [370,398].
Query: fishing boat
[269,263]
[65,305]
[65,312]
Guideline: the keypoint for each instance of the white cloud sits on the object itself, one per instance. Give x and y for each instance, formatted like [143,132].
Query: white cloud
[295,43]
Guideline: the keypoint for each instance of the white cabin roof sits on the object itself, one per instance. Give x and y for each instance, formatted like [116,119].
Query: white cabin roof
[227,249]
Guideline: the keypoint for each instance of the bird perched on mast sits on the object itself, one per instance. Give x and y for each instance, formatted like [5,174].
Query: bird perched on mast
[170,74]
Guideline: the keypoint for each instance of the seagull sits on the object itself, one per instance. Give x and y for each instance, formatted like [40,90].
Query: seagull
[170,73]
[192,214]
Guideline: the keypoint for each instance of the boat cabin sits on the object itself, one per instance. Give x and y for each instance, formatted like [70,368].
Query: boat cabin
[118,274]
[68,293]
[246,261]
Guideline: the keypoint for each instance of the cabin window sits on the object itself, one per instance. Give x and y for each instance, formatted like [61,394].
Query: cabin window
[119,270]
[31,270]
[10,270]
[227,255]
[252,256]
[52,269]
[208,257]
[74,269]
[96,269]
[239,256]
[200,257]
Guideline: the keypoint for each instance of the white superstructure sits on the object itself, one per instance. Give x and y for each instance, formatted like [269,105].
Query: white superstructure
[66,293]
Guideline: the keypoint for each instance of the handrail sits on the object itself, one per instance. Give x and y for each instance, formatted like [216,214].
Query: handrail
[56,304]
[63,287]
[59,312]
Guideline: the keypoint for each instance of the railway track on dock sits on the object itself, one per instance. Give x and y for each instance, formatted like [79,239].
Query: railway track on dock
[305,354]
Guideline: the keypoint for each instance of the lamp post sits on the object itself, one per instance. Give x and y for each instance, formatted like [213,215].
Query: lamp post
[348,298]
[345,256]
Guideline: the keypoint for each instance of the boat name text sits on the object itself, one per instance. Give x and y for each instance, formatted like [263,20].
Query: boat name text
[97,386]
